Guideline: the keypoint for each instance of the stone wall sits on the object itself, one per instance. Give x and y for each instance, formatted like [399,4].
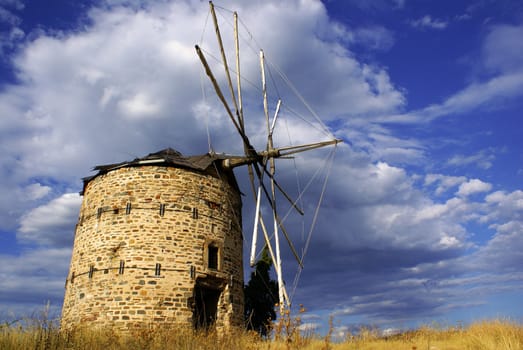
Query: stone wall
[142,246]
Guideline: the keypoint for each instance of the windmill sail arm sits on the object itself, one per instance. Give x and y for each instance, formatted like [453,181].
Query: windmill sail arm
[280,152]
[288,150]
[225,64]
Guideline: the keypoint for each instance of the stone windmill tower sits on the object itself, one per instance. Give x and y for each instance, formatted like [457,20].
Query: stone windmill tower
[158,240]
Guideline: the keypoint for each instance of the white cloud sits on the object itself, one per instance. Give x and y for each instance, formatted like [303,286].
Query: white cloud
[502,50]
[502,54]
[450,242]
[309,327]
[504,207]
[52,223]
[37,191]
[444,182]
[475,95]
[473,186]
[502,254]
[138,106]
[378,206]
[374,37]
[483,159]
[428,22]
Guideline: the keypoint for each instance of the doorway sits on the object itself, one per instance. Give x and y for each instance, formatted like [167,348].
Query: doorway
[205,306]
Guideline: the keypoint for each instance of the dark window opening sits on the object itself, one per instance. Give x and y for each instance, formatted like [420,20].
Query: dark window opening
[195,213]
[157,269]
[128,209]
[212,257]
[99,212]
[162,209]
[91,271]
[122,266]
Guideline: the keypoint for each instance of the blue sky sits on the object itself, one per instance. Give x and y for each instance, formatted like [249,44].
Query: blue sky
[423,215]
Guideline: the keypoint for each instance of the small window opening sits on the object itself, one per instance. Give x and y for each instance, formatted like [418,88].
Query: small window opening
[91,271]
[212,257]
[162,209]
[121,268]
[128,209]
[99,213]
[72,277]
[193,272]
[116,210]
[157,269]
[195,213]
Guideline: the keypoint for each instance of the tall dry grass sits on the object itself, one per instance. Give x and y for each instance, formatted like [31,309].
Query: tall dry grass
[43,334]
[485,335]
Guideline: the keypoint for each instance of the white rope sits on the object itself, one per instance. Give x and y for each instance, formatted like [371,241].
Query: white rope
[204,95]
[329,161]
[206,113]
[298,183]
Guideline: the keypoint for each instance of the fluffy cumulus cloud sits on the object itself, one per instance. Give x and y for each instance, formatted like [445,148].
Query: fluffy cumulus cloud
[443,182]
[51,223]
[473,186]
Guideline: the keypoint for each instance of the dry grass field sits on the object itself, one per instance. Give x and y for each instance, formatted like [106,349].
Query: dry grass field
[38,334]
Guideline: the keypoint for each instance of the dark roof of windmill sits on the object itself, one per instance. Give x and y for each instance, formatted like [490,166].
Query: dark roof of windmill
[166,157]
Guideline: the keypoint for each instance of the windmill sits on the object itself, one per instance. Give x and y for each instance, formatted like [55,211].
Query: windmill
[260,163]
